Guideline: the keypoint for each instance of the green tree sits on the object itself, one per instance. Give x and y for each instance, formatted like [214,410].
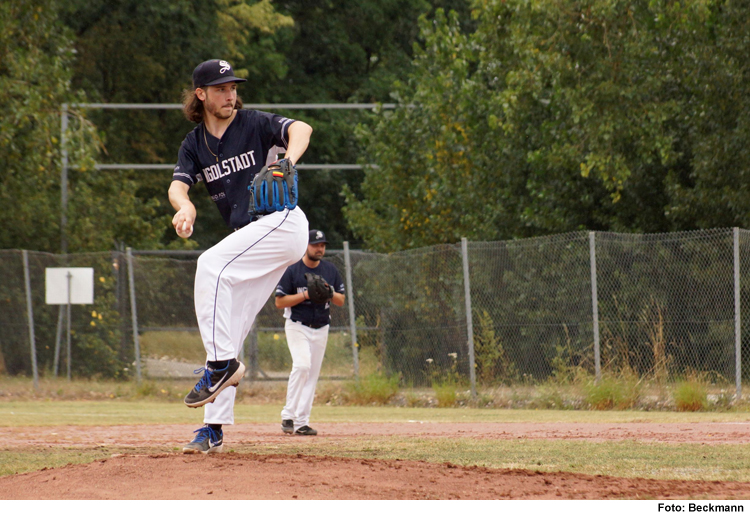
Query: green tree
[145,52]
[292,51]
[35,57]
[427,187]
[559,116]
[712,188]
[340,51]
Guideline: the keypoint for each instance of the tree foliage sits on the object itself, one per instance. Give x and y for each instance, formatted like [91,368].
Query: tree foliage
[517,117]
[136,52]
[557,116]
[36,53]
[427,186]
[291,52]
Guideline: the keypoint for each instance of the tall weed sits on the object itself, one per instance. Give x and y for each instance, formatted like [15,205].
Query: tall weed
[376,388]
[493,363]
[614,391]
[445,394]
[691,394]
[445,382]
[653,318]
[569,363]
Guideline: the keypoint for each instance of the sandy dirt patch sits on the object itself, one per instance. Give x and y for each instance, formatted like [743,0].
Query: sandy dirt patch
[248,476]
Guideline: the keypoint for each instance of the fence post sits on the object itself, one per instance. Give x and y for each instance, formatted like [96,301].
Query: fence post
[134,317]
[58,338]
[252,351]
[64,181]
[120,271]
[595,306]
[737,318]
[30,315]
[352,317]
[469,323]
[68,343]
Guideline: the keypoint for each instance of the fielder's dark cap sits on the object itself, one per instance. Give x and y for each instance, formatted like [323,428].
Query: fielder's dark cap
[214,72]
[317,236]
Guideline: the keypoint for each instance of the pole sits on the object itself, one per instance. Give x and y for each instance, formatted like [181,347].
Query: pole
[595,306]
[58,339]
[64,183]
[134,317]
[737,318]
[119,272]
[246,354]
[252,361]
[352,318]
[30,315]
[70,277]
[469,323]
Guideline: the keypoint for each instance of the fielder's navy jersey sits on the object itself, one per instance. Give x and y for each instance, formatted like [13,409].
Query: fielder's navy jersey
[293,281]
[227,165]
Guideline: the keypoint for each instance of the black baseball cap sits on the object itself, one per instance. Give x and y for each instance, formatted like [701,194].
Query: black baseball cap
[317,236]
[214,72]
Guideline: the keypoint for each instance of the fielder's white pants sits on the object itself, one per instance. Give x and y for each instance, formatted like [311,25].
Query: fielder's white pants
[233,282]
[308,346]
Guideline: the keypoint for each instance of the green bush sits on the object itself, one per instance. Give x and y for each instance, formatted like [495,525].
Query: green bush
[691,395]
[373,388]
[445,394]
[613,392]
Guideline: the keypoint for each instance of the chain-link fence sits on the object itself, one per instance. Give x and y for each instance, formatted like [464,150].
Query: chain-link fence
[663,307]
[101,340]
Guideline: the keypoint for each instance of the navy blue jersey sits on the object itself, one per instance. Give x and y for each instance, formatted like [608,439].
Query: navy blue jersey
[227,165]
[293,281]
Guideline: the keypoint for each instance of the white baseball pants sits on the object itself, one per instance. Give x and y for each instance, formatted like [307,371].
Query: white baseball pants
[233,282]
[307,346]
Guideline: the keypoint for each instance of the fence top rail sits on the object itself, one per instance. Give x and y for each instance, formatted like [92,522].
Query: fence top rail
[198,252]
[678,235]
[260,106]
[568,237]
[170,166]
[668,236]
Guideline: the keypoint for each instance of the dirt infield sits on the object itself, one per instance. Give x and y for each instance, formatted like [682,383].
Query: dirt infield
[249,476]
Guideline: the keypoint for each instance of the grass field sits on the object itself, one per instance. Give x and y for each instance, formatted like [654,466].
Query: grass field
[55,413]
[621,458]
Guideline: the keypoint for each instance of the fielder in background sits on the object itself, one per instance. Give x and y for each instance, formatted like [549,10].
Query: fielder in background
[234,152]
[305,292]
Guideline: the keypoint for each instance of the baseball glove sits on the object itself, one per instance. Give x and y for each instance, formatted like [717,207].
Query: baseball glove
[274,188]
[318,290]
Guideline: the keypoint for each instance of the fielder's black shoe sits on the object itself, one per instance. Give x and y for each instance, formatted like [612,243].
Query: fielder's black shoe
[306,430]
[207,441]
[213,382]
[287,426]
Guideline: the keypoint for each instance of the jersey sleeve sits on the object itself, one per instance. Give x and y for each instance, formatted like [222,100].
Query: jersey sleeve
[187,169]
[277,127]
[338,283]
[285,286]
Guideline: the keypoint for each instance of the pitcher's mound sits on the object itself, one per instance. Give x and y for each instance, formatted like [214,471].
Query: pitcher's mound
[249,476]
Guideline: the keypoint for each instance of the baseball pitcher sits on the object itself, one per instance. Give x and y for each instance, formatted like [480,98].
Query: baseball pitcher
[234,152]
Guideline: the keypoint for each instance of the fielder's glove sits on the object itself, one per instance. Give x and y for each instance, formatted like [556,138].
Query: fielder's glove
[274,188]
[318,290]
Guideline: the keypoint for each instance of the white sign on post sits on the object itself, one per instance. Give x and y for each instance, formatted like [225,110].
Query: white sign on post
[70,285]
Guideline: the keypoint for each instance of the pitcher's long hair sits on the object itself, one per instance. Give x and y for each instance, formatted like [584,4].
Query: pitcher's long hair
[192,107]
